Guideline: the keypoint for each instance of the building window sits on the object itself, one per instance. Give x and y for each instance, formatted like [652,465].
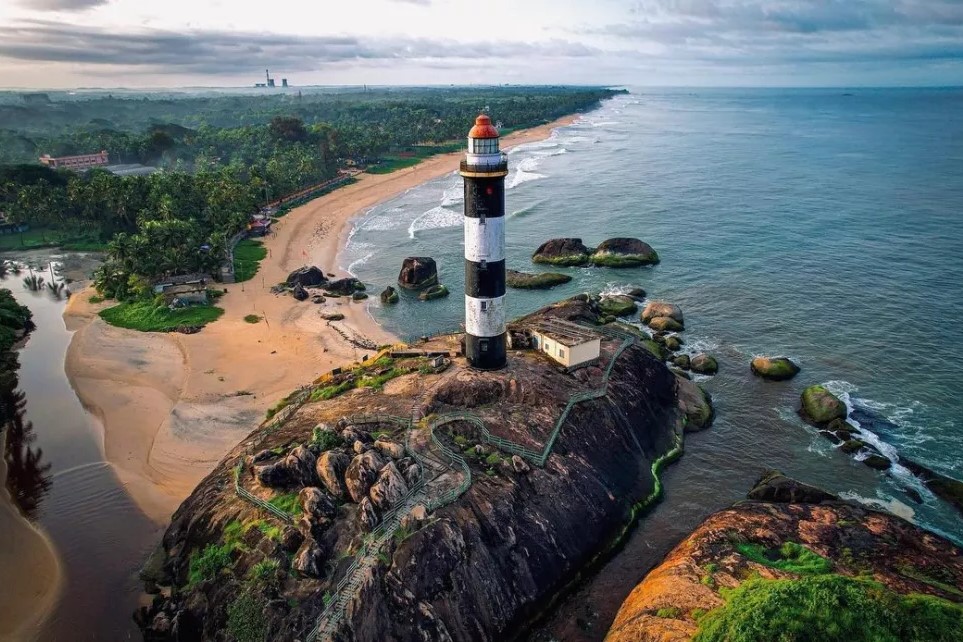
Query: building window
[561,353]
[484,306]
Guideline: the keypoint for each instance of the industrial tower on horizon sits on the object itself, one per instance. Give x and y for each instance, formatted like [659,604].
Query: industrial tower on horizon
[484,170]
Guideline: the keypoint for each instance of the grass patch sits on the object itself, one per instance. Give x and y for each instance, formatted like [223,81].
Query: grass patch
[791,557]
[207,564]
[252,318]
[40,238]
[325,440]
[248,255]
[288,502]
[919,576]
[668,612]
[96,298]
[394,162]
[828,607]
[146,317]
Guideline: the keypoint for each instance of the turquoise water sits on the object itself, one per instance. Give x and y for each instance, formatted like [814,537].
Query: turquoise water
[821,224]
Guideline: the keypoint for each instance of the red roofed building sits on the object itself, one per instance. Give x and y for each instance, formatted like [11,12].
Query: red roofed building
[81,161]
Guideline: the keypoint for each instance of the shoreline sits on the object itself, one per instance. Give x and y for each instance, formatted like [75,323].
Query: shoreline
[171,405]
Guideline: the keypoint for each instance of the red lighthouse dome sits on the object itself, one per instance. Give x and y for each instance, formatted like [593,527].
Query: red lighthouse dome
[483,128]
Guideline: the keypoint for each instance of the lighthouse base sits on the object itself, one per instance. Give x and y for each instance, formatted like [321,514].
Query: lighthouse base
[487,353]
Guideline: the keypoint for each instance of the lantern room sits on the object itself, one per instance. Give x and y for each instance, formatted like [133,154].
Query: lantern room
[483,137]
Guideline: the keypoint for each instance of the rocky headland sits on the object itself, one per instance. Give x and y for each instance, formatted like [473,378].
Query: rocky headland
[409,497]
[795,562]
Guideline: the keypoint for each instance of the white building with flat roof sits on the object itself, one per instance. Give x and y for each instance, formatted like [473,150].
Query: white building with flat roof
[565,342]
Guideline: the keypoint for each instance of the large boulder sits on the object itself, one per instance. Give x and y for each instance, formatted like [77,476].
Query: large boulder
[299,292]
[307,277]
[389,296]
[695,404]
[309,559]
[821,406]
[344,287]
[362,472]
[655,309]
[570,251]
[297,469]
[390,448]
[418,273]
[618,305]
[774,368]
[624,252]
[434,292]
[665,324]
[704,364]
[367,515]
[773,486]
[331,468]
[529,281]
[316,503]
[388,489]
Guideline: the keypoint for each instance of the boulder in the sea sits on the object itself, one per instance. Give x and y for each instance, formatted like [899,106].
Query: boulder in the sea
[567,251]
[538,281]
[636,293]
[665,324]
[388,488]
[879,462]
[773,486]
[681,361]
[655,309]
[362,472]
[418,273]
[618,305]
[704,364]
[389,296]
[434,292]
[821,406]
[344,287]
[307,277]
[672,343]
[624,252]
[695,404]
[295,469]
[851,446]
[943,486]
[774,368]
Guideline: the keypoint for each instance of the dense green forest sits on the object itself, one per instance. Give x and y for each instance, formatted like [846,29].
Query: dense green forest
[223,156]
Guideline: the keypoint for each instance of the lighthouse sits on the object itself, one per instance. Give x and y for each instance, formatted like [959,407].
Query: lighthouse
[484,170]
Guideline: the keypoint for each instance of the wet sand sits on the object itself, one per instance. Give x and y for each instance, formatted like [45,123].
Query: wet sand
[172,405]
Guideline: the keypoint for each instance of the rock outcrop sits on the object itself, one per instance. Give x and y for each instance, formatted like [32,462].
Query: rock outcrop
[306,277]
[388,488]
[774,368]
[344,287]
[821,406]
[696,404]
[295,469]
[655,309]
[624,252]
[567,251]
[803,538]
[418,273]
[389,296]
[704,364]
[362,472]
[433,292]
[537,281]
[617,305]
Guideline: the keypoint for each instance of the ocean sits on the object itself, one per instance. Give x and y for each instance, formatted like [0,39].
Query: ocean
[823,225]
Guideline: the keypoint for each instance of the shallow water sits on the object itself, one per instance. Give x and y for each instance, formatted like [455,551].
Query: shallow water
[99,534]
[808,223]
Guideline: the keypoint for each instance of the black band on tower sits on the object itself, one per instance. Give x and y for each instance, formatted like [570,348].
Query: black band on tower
[485,282]
[484,197]
[488,353]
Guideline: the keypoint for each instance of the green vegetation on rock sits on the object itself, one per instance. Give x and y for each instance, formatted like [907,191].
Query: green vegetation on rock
[828,607]
[774,368]
[287,502]
[148,317]
[245,618]
[617,306]
[791,557]
[538,281]
[434,292]
[822,406]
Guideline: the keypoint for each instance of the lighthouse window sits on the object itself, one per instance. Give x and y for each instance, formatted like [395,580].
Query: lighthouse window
[484,306]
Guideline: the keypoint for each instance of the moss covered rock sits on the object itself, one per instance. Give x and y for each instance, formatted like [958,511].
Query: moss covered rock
[672,343]
[655,309]
[567,251]
[665,324]
[681,361]
[389,296]
[540,281]
[821,406]
[434,292]
[704,364]
[617,306]
[878,462]
[696,405]
[851,446]
[624,252]
[774,368]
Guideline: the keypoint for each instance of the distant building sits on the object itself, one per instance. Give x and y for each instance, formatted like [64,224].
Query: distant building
[259,225]
[284,82]
[81,161]
[131,169]
[567,343]
[166,284]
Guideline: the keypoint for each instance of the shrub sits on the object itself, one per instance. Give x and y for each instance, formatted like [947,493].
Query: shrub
[264,573]
[252,318]
[791,557]
[206,565]
[245,618]
[96,299]
[828,607]
[668,612]
[325,440]
[288,502]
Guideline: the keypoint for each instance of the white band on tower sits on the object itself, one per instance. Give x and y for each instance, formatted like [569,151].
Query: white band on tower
[485,241]
[485,317]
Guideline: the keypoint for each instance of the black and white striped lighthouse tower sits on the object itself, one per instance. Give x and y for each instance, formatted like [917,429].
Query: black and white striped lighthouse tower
[484,170]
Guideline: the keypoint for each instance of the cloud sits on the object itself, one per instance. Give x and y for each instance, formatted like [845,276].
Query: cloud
[228,53]
[62,5]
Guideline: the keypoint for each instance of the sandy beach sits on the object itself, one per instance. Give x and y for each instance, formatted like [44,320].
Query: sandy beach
[172,405]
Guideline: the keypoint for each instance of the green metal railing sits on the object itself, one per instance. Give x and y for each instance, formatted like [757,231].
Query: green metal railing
[257,501]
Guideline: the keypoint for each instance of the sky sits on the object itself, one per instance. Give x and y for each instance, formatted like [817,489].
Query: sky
[176,43]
